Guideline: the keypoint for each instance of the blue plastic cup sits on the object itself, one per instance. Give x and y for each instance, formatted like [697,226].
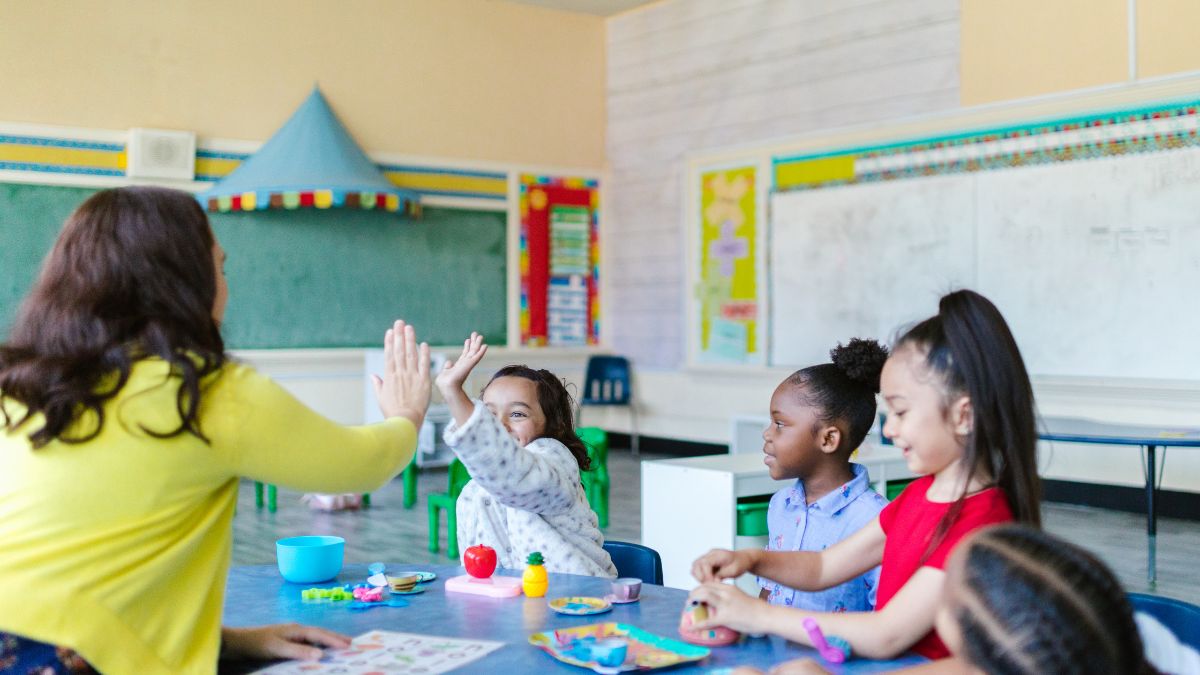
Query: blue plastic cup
[310,560]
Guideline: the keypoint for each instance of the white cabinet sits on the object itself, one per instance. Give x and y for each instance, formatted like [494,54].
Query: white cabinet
[689,505]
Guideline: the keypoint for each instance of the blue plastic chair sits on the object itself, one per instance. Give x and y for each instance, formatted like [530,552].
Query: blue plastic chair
[1182,618]
[608,382]
[635,560]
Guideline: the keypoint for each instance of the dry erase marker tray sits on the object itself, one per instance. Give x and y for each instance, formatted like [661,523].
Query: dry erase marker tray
[643,650]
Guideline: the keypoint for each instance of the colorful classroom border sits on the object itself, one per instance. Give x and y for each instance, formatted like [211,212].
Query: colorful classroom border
[526,182]
[1162,126]
[43,154]
[58,155]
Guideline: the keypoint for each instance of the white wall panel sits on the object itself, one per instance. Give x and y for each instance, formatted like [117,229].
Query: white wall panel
[696,75]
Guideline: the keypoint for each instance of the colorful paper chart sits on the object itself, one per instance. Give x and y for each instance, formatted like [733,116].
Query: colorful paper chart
[728,265]
[386,652]
[646,651]
[580,605]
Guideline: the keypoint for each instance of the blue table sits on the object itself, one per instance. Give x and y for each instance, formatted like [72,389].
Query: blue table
[1075,430]
[257,595]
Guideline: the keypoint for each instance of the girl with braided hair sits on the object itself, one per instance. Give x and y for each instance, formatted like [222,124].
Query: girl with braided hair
[1022,602]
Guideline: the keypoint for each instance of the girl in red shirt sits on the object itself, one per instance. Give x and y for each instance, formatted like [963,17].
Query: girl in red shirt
[961,410]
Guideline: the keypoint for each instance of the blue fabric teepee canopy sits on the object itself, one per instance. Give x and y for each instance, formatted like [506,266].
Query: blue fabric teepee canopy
[310,161]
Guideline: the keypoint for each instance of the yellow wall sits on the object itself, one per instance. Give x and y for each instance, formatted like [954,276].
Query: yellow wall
[1013,49]
[1166,37]
[472,79]
[1019,48]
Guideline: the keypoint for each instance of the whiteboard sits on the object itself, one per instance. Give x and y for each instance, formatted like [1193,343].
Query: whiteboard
[1095,264]
[862,260]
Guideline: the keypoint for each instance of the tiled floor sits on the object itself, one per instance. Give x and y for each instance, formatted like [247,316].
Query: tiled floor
[387,531]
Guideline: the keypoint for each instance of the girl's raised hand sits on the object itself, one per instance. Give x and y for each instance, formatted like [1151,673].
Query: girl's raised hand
[404,389]
[455,373]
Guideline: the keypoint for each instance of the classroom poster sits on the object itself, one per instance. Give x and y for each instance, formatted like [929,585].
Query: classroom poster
[560,261]
[727,288]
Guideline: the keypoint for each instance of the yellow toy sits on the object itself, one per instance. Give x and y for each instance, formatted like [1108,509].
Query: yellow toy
[534,581]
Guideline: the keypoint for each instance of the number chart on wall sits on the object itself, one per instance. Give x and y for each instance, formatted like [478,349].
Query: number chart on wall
[560,261]
[726,326]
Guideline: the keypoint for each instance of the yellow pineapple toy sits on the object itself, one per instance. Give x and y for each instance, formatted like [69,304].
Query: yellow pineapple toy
[534,580]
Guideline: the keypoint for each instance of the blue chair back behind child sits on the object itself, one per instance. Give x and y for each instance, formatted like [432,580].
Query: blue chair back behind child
[1182,618]
[608,381]
[635,560]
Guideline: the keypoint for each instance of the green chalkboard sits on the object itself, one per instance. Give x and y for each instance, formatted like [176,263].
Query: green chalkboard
[312,278]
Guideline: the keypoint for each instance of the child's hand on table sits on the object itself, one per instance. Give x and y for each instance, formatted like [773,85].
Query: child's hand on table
[720,564]
[729,606]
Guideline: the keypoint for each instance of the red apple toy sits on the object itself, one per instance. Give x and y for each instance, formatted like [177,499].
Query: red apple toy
[480,561]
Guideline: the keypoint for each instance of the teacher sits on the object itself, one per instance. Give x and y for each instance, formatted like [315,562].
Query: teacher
[124,431]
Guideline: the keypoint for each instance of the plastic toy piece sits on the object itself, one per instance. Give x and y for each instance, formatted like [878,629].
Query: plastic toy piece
[421,577]
[331,594]
[832,649]
[579,605]
[480,561]
[534,582]
[717,636]
[368,594]
[403,584]
[378,580]
[375,568]
[393,602]
[494,587]
[605,652]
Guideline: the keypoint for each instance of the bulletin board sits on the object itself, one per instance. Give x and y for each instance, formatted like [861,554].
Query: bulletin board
[560,261]
[727,270]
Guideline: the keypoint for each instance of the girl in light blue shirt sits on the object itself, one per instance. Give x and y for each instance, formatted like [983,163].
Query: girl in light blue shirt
[819,416]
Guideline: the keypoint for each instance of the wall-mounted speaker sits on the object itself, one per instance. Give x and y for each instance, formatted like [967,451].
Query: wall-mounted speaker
[158,153]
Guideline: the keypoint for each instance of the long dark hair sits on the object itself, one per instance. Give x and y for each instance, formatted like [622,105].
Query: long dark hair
[131,276]
[972,352]
[843,392]
[1030,603]
[556,405]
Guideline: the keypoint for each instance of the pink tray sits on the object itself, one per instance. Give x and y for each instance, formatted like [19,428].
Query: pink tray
[494,587]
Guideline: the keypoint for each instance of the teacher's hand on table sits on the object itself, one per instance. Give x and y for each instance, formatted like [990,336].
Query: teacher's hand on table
[280,641]
[720,564]
[405,387]
[730,607]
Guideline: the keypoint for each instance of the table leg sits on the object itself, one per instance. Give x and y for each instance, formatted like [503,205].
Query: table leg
[1151,515]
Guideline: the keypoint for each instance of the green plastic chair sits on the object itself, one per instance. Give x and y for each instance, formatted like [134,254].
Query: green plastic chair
[410,484]
[596,480]
[272,501]
[458,477]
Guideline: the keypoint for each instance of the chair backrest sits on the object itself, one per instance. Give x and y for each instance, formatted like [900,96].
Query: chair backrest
[458,477]
[635,560]
[1182,618]
[607,381]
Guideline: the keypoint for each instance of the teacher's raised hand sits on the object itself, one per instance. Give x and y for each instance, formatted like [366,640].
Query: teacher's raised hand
[404,389]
